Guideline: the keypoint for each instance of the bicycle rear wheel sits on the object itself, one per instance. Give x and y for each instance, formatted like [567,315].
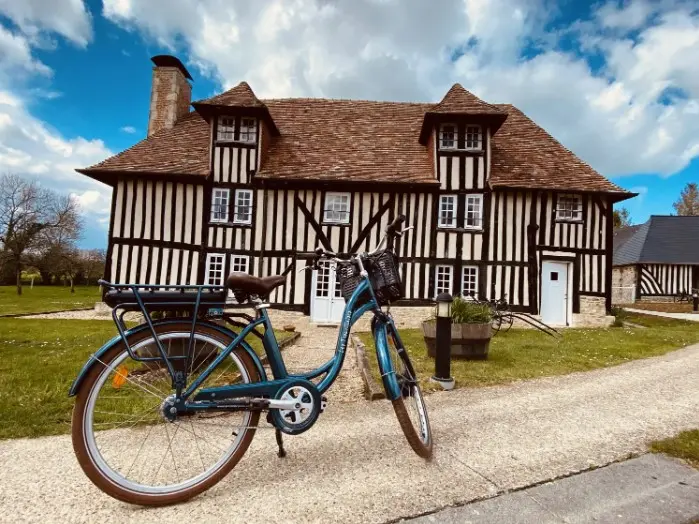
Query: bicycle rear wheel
[125,443]
[409,407]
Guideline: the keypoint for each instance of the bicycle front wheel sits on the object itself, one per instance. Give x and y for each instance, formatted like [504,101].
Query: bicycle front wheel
[409,407]
[122,437]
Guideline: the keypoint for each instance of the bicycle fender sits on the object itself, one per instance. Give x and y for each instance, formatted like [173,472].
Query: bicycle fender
[96,357]
[384,358]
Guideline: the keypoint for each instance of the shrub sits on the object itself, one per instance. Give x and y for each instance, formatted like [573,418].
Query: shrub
[468,312]
[620,315]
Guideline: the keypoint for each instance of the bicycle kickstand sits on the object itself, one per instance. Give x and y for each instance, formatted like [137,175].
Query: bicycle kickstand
[278,434]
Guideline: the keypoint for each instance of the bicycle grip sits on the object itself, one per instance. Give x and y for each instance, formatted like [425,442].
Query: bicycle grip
[395,225]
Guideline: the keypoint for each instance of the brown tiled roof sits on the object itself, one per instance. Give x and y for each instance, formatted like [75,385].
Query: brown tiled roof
[347,140]
[459,101]
[239,96]
[362,141]
[182,150]
[524,155]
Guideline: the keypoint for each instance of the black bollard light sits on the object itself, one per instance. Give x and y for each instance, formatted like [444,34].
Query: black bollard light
[695,300]
[442,361]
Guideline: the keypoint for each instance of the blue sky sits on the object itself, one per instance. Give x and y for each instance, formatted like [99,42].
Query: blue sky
[615,81]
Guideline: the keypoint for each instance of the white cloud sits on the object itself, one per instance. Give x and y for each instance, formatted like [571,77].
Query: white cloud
[29,146]
[93,201]
[16,55]
[128,129]
[401,50]
[68,18]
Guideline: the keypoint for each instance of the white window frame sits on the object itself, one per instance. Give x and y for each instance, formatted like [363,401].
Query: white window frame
[454,141]
[331,196]
[441,221]
[248,130]
[478,145]
[437,288]
[236,204]
[240,260]
[473,271]
[218,192]
[225,131]
[209,260]
[479,218]
[566,214]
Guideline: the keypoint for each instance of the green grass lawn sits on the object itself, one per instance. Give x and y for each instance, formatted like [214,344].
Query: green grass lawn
[684,446]
[527,353]
[38,361]
[46,298]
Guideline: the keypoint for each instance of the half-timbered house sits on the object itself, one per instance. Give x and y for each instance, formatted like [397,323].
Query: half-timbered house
[656,260]
[500,208]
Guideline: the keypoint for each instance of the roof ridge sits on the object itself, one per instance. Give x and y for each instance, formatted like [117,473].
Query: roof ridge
[321,99]
[460,100]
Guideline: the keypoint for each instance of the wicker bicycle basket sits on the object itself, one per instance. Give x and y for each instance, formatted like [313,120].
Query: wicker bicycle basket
[383,274]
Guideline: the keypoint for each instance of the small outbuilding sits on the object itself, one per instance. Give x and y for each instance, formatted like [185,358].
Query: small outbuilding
[657,260]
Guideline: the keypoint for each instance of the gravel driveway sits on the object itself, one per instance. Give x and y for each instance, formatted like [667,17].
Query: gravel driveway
[354,465]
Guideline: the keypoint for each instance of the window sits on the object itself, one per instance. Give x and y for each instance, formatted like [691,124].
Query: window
[336,209]
[469,287]
[219,205]
[473,138]
[323,278]
[447,211]
[443,279]
[214,269]
[248,130]
[239,264]
[242,209]
[448,136]
[569,208]
[226,128]
[474,212]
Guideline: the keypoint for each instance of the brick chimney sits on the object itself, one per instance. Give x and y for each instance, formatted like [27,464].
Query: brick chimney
[170,93]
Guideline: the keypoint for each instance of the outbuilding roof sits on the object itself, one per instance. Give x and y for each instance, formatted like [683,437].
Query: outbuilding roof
[661,240]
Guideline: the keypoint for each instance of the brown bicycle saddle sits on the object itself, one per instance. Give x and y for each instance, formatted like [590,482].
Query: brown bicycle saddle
[251,285]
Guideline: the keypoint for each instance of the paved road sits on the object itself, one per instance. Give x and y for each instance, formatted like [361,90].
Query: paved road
[652,489]
[354,465]
[680,316]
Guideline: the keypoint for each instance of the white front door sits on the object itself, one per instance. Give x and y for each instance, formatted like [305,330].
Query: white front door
[554,292]
[327,303]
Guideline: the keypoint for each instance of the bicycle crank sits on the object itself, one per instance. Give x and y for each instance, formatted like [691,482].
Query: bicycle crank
[305,404]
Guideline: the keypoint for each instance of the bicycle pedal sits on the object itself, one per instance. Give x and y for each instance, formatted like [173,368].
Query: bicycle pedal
[323,403]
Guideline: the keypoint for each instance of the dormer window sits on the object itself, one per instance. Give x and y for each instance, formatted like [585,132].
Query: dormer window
[246,131]
[474,138]
[448,136]
[461,138]
[226,128]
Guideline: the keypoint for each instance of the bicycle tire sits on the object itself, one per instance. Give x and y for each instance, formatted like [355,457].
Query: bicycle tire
[87,459]
[422,442]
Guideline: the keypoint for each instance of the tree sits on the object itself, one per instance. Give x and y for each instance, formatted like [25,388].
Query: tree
[622,218]
[31,215]
[688,203]
[93,264]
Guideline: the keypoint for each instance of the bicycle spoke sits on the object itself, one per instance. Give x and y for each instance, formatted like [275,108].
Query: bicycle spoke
[124,423]
[139,451]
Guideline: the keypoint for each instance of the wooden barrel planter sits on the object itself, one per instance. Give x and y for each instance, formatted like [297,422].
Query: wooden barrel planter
[468,341]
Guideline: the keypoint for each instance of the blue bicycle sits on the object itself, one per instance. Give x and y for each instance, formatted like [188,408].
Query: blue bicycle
[166,409]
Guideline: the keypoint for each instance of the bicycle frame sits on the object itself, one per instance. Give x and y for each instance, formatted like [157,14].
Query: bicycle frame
[209,398]
[206,398]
